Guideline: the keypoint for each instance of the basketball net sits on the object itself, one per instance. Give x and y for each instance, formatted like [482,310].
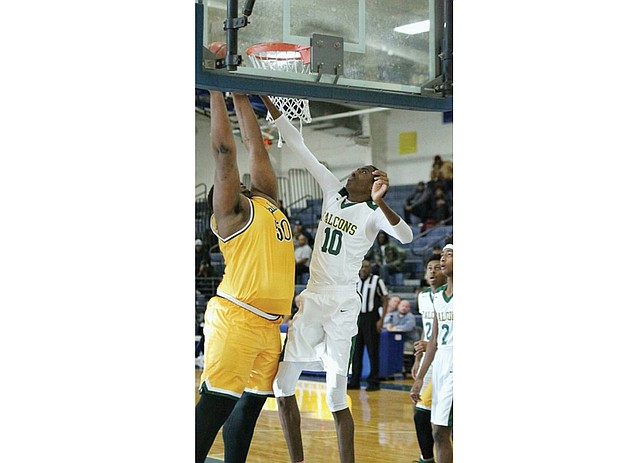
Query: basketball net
[284,57]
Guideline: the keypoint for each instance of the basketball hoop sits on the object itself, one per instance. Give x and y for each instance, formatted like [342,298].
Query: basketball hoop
[284,57]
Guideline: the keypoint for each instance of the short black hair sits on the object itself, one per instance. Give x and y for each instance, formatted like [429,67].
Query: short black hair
[429,260]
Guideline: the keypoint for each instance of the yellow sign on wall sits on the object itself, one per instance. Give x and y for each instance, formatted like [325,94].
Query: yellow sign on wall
[407,143]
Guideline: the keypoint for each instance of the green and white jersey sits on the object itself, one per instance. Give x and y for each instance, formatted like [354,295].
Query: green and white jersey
[346,230]
[443,309]
[426,309]
[345,233]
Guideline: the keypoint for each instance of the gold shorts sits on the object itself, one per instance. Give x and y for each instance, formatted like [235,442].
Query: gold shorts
[426,397]
[241,352]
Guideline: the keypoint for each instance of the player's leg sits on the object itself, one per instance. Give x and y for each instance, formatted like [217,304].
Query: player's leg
[443,441]
[372,344]
[304,338]
[239,427]
[422,420]
[211,413]
[357,361]
[288,410]
[340,327]
[336,398]
[442,406]
[424,431]
[229,359]
[345,432]
[290,419]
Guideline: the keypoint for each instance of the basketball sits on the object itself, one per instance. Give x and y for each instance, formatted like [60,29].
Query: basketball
[218,49]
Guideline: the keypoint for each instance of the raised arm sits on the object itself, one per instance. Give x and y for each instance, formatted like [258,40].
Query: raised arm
[324,177]
[229,208]
[273,110]
[264,181]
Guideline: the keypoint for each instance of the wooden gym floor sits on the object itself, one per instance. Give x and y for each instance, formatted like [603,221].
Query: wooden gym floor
[384,429]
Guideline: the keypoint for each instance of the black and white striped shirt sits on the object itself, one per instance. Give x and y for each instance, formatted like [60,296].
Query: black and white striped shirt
[372,289]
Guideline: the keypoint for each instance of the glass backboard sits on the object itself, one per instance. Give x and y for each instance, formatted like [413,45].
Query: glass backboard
[391,50]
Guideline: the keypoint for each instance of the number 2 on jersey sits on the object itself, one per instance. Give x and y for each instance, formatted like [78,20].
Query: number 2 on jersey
[445,335]
[429,326]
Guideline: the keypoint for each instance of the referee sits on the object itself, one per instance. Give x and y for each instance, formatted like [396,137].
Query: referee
[369,325]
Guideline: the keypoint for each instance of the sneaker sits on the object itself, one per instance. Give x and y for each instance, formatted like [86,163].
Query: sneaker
[372,387]
[353,386]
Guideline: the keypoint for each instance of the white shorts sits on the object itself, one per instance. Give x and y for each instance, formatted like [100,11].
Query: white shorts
[441,408]
[323,328]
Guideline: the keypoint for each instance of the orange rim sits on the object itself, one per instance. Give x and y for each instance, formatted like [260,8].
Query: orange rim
[304,50]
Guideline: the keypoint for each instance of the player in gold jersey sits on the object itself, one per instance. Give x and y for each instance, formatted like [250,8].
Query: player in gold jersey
[242,322]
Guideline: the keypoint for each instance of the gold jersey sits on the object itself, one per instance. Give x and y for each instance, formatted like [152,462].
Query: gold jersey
[259,261]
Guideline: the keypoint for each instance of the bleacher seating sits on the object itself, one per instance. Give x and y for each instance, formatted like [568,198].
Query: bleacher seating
[397,195]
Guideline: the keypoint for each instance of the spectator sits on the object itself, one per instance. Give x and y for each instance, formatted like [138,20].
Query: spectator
[441,208]
[203,267]
[436,168]
[442,173]
[202,260]
[403,320]
[417,204]
[299,229]
[303,252]
[369,326]
[388,257]
[392,305]
[441,170]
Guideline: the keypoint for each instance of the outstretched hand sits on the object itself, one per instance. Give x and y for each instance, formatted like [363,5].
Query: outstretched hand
[380,186]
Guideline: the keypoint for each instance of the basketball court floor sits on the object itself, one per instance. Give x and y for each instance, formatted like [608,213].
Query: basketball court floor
[384,429]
